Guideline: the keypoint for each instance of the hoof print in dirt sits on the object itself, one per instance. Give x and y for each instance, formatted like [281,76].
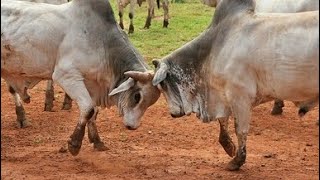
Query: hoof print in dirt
[100,147]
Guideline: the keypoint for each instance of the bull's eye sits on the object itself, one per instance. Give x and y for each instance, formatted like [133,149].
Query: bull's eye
[137,98]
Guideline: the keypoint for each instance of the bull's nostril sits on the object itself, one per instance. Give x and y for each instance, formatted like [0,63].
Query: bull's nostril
[130,128]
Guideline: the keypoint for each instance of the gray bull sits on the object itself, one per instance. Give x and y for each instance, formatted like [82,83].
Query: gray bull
[80,46]
[242,60]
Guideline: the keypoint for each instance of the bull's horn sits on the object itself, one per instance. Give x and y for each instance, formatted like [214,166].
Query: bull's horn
[156,63]
[122,87]
[140,76]
[161,73]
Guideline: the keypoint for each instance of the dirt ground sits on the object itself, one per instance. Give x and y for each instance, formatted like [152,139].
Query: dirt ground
[278,147]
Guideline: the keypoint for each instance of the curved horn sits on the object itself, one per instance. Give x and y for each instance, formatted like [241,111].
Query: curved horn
[140,76]
[161,73]
[122,87]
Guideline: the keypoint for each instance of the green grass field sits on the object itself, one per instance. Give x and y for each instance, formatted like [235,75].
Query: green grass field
[187,21]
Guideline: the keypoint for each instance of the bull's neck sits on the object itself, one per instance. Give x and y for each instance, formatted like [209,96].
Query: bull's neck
[191,57]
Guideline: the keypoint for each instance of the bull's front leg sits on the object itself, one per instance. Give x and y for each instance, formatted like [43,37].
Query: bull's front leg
[224,137]
[93,133]
[75,87]
[241,108]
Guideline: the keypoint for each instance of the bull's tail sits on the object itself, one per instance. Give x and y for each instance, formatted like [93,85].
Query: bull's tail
[158,4]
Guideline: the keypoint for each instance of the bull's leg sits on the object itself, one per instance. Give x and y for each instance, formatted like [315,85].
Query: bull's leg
[78,92]
[151,5]
[121,16]
[277,107]
[22,122]
[165,6]
[131,13]
[48,104]
[241,108]
[225,139]
[67,102]
[93,133]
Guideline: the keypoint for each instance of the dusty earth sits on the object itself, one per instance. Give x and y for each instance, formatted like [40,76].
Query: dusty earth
[278,147]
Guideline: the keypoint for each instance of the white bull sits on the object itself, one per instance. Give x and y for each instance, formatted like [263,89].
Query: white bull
[279,6]
[80,46]
[151,5]
[49,96]
[242,60]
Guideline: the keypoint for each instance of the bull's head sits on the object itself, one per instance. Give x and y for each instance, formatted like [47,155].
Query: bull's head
[165,82]
[183,93]
[135,95]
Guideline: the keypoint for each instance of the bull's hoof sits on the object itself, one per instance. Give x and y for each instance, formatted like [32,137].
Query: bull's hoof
[233,166]
[66,106]
[121,25]
[23,123]
[48,107]
[302,112]
[165,23]
[74,147]
[131,29]
[276,111]
[27,100]
[100,146]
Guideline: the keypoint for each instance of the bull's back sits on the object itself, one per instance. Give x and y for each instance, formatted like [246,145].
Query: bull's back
[287,56]
[30,37]
[286,6]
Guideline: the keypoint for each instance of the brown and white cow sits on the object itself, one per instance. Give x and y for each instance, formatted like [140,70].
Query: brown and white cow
[151,5]
[241,60]
[80,46]
[279,6]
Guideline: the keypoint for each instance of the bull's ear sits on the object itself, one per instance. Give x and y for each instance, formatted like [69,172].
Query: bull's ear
[160,74]
[123,87]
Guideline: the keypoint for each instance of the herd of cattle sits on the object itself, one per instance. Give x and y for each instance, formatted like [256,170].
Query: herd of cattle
[248,55]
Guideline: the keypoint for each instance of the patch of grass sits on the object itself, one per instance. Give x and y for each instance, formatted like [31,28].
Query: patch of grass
[187,21]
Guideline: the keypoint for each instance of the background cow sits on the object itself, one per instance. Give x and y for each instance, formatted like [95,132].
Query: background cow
[242,60]
[49,96]
[78,45]
[151,4]
[279,6]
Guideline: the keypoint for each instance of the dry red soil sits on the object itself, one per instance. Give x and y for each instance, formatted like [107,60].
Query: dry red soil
[278,147]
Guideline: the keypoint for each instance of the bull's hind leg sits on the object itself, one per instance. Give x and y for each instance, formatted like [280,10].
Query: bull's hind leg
[165,6]
[131,13]
[151,5]
[67,102]
[93,133]
[22,121]
[277,107]
[225,139]
[48,104]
